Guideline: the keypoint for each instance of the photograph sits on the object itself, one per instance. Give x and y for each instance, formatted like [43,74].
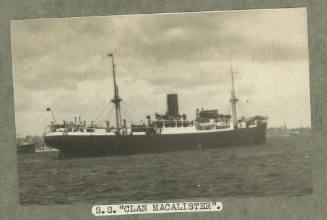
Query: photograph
[162,107]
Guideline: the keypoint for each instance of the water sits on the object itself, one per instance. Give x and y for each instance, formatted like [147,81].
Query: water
[280,167]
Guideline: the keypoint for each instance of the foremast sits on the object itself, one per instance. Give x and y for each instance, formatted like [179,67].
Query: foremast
[233,99]
[116,100]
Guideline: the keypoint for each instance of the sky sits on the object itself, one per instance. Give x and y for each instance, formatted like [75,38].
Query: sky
[61,63]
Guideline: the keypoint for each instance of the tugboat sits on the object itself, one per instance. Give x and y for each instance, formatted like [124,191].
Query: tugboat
[167,132]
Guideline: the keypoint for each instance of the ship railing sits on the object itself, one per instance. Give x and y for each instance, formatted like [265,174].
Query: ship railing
[79,130]
[251,122]
[214,125]
[168,123]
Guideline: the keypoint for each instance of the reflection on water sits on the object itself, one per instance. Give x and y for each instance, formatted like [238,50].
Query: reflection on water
[281,167]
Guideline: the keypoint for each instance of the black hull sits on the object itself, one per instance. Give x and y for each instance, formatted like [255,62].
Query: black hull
[96,145]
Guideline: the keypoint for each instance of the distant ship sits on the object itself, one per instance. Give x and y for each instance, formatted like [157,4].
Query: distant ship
[167,132]
[25,147]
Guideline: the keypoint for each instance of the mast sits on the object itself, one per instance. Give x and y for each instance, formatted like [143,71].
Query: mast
[116,100]
[233,99]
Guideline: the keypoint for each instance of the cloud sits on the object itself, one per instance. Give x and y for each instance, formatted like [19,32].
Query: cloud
[61,49]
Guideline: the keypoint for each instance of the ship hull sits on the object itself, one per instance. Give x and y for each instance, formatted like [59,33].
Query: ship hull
[104,145]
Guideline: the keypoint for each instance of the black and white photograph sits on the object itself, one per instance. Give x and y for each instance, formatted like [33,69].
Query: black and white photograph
[162,107]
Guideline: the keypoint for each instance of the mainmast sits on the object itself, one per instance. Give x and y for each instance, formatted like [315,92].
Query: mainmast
[233,99]
[116,100]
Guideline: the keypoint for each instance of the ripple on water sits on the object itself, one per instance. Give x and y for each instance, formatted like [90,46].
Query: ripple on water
[280,167]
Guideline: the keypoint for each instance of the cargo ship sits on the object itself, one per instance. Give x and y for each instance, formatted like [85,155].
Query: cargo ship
[171,131]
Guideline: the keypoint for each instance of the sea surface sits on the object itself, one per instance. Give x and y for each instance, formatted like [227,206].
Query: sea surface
[280,167]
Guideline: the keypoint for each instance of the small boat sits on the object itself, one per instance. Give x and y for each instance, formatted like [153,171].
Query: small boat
[25,148]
